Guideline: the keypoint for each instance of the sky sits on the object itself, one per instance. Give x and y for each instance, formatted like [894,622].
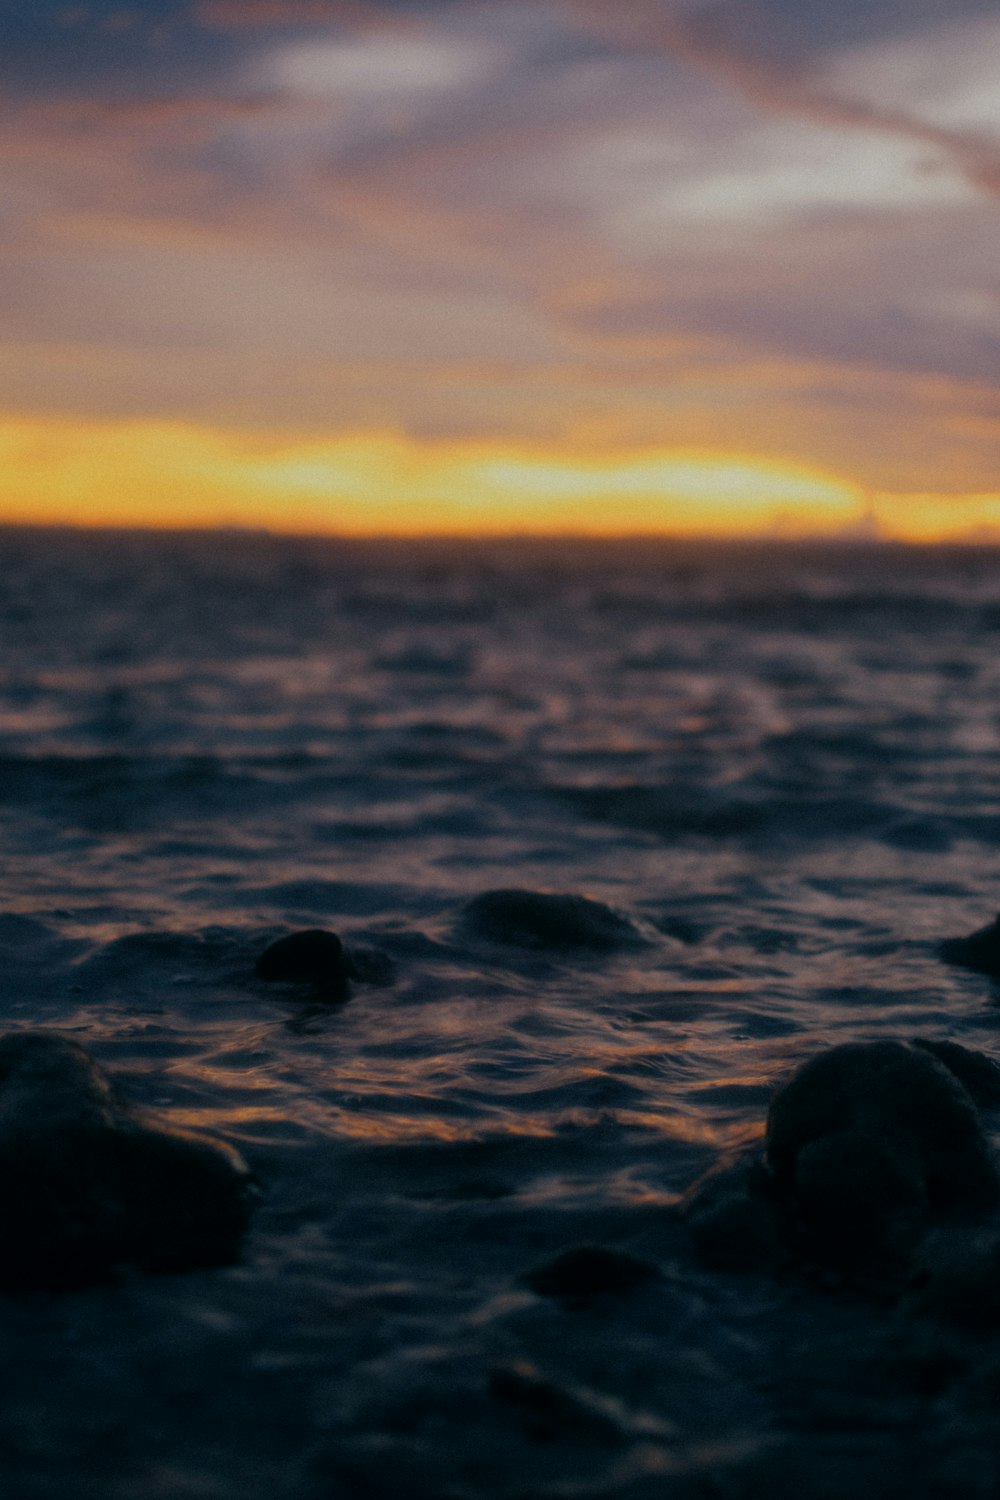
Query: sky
[489,266]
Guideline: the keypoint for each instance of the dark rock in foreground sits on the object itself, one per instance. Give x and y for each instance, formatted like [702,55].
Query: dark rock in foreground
[312,957]
[588,1270]
[979,951]
[87,1184]
[538,919]
[978,1074]
[894,1103]
[872,1149]
[737,1219]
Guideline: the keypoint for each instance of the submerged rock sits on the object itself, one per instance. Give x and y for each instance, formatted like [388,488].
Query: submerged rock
[87,1184]
[540,919]
[313,957]
[587,1270]
[979,951]
[870,1147]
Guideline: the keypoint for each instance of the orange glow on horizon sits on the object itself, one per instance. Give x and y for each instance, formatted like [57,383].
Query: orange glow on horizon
[162,474]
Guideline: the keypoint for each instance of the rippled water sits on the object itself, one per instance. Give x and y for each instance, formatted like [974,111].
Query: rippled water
[778,764]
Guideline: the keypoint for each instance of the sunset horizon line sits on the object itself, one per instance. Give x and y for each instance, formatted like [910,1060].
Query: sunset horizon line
[152,473]
[980,537]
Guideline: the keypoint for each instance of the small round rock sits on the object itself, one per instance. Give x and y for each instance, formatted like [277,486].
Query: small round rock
[312,957]
[588,1270]
[549,920]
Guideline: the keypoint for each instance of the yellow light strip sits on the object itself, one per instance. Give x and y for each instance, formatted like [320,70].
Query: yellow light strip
[147,473]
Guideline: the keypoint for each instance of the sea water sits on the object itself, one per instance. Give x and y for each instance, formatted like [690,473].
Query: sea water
[778,764]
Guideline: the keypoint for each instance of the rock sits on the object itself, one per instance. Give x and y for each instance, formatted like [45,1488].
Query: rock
[978,1074]
[538,919]
[858,1201]
[958,1277]
[313,957]
[588,1270]
[979,951]
[87,1183]
[736,1218]
[876,1167]
[872,1143]
[901,1095]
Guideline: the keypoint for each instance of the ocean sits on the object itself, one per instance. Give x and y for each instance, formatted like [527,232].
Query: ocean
[772,769]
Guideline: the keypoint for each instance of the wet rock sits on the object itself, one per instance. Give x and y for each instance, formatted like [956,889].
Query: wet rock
[587,1270]
[87,1184]
[736,1218]
[978,1074]
[979,951]
[858,1201]
[871,1147]
[313,957]
[958,1277]
[871,1143]
[900,1096]
[539,919]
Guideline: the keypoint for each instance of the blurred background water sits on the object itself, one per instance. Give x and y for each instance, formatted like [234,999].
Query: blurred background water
[777,763]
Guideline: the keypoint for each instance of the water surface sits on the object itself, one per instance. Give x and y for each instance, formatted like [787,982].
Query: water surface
[777,764]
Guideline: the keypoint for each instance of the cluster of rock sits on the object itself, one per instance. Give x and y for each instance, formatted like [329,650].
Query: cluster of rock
[876,1164]
[89,1184]
[876,1161]
[317,963]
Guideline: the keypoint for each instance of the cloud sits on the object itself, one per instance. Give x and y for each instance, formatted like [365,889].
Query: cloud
[776,55]
[661,222]
[886,303]
[381,67]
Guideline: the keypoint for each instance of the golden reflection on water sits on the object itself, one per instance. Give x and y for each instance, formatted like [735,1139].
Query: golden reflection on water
[698,1092]
[693,1130]
[218,1119]
[757,1080]
[401,1128]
